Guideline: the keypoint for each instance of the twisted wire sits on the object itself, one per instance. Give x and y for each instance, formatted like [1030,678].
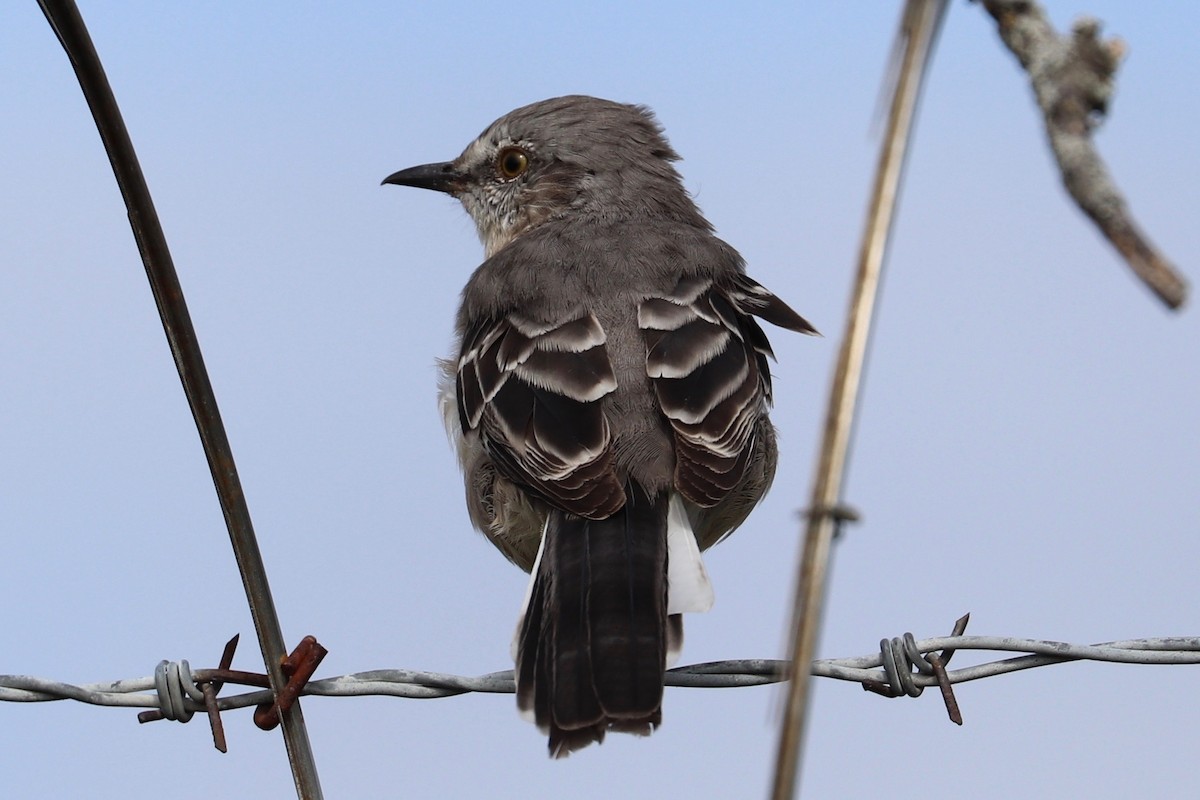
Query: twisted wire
[900,668]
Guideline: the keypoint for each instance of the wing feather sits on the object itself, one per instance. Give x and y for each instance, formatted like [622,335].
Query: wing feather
[707,359]
[532,390]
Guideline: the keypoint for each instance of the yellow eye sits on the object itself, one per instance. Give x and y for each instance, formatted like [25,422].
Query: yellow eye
[511,162]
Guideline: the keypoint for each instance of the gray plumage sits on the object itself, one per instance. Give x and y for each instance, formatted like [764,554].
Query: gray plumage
[609,390]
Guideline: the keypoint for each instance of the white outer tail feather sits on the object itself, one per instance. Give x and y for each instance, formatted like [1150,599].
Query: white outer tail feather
[516,640]
[688,586]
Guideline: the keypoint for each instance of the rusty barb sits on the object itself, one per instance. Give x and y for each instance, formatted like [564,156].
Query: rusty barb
[901,656]
[176,683]
[299,668]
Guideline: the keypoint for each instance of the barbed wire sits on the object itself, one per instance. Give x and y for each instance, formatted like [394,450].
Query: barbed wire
[903,666]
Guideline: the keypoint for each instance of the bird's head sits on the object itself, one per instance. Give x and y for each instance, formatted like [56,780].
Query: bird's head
[566,156]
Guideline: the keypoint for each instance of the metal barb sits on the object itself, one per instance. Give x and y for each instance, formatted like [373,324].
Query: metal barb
[939,662]
[214,718]
[299,667]
[939,670]
[901,655]
[209,683]
[960,627]
[238,676]
[211,688]
[227,653]
[879,688]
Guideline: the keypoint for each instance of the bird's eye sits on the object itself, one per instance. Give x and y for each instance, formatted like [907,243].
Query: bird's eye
[511,162]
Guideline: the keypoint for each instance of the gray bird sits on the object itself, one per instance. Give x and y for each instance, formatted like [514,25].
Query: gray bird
[607,398]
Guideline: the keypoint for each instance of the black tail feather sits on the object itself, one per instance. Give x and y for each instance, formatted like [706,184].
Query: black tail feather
[593,643]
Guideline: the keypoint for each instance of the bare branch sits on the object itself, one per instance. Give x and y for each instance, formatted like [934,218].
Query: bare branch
[1072,78]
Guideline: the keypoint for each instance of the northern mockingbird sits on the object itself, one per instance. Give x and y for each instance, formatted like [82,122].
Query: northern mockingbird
[607,397]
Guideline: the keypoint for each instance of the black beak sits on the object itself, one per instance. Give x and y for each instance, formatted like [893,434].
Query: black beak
[439,177]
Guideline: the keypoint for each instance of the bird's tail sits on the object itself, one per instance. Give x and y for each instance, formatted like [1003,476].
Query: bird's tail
[593,642]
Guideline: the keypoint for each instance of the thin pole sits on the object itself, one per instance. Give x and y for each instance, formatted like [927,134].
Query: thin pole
[918,32]
[68,25]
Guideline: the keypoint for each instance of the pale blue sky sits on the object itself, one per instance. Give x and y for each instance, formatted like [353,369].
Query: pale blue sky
[1029,448]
